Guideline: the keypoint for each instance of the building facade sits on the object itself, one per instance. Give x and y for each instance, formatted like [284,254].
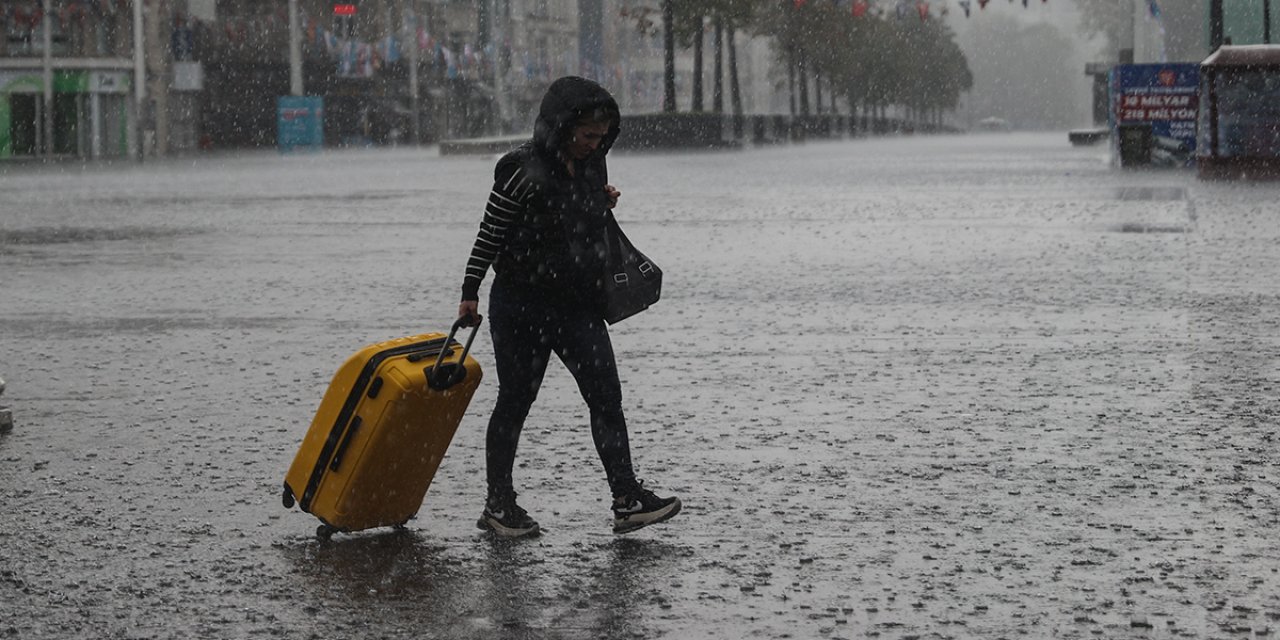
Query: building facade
[66,78]
[114,78]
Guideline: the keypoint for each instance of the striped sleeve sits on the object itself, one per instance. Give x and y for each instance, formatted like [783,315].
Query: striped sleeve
[506,202]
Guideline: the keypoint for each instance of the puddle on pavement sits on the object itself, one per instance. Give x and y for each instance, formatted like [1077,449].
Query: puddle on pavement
[66,235]
[1140,227]
[1152,194]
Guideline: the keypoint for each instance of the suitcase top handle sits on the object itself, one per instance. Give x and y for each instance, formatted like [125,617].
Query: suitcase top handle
[442,377]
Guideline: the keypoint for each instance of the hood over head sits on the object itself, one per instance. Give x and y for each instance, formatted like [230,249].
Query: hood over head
[566,102]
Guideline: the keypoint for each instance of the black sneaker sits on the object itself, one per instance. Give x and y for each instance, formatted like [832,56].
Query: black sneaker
[505,518]
[641,508]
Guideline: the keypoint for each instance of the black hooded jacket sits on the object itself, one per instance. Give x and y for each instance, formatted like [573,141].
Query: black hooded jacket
[543,227]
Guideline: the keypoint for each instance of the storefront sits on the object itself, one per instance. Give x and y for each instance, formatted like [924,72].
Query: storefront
[90,114]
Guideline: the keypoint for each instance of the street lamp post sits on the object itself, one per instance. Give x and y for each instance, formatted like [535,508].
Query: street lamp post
[1215,24]
[1266,21]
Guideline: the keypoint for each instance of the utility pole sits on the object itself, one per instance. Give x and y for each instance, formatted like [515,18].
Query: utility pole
[1215,24]
[139,80]
[412,40]
[46,24]
[501,60]
[295,50]
[1266,21]
[158,71]
[668,57]
[591,38]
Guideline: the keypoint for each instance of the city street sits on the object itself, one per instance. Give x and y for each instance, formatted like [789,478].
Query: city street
[980,386]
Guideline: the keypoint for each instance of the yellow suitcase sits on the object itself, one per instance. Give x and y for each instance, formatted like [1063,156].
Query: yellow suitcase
[381,431]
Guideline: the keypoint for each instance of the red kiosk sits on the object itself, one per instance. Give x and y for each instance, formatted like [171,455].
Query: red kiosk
[1239,127]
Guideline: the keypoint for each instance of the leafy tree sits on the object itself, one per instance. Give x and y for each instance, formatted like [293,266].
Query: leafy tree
[874,60]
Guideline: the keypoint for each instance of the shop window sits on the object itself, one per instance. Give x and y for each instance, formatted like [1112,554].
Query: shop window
[1249,113]
[24,114]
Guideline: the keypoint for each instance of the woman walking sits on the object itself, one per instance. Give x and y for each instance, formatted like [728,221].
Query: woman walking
[543,235]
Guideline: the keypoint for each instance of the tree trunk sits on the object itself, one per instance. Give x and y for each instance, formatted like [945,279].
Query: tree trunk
[817,92]
[668,56]
[697,67]
[791,77]
[802,62]
[717,91]
[735,90]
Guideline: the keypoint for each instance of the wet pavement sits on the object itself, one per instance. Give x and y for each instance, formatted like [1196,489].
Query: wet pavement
[956,387]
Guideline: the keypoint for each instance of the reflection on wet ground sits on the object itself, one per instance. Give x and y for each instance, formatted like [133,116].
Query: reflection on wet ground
[491,585]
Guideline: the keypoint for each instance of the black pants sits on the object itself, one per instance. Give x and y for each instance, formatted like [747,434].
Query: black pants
[527,327]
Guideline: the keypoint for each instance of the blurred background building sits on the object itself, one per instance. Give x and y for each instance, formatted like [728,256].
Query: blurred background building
[213,69]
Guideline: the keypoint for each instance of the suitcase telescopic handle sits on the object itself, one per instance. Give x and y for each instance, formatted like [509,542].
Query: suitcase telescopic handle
[433,380]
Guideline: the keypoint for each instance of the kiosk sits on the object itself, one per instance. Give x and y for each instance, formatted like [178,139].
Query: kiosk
[1239,127]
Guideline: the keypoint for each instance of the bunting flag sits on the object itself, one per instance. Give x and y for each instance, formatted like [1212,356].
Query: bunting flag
[903,9]
[982,4]
[800,3]
[1153,9]
[923,9]
[451,69]
[967,6]
[1024,4]
[859,8]
[389,49]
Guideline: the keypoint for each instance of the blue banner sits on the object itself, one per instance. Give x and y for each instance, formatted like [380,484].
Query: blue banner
[1165,96]
[300,122]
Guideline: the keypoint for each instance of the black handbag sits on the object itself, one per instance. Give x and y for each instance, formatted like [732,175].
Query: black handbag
[632,282]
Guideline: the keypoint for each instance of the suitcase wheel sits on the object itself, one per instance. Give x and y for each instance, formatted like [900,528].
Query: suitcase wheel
[287,498]
[325,532]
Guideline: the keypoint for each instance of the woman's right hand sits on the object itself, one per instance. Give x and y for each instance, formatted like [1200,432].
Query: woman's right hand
[469,309]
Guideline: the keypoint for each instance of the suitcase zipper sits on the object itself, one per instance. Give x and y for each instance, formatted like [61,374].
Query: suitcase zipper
[335,444]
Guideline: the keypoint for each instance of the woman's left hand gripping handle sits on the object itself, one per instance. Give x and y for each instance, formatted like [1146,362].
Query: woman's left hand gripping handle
[469,313]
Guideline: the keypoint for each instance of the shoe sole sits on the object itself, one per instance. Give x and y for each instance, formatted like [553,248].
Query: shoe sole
[671,512]
[489,524]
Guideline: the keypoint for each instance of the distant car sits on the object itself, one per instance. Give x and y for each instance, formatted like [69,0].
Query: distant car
[994,124]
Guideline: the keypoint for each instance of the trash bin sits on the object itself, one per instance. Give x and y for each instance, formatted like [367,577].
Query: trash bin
[1134,141]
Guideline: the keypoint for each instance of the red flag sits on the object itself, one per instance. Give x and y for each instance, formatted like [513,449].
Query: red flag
[800,3]
[982,4]
[923,9]
[859,8]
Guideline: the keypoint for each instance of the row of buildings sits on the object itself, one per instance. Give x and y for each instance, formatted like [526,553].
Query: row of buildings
[114,78]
